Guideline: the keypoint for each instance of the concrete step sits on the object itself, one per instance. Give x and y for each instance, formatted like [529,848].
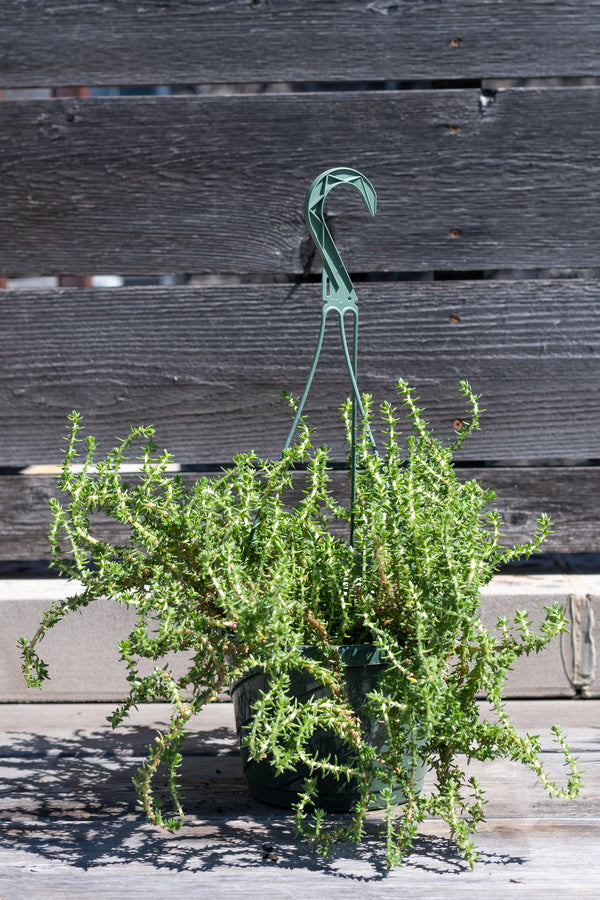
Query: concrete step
[83,656]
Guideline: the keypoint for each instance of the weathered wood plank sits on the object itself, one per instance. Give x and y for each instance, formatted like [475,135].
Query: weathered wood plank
[531,856]
[70,733]
[69,828]
[206,365]
[151,185]
[116,42]
[567,494]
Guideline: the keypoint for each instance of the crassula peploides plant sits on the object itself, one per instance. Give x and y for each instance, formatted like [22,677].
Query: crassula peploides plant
[236,575]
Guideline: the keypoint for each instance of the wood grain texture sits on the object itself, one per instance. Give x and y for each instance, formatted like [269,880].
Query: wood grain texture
[70,826]
[204,184]
[206,365]
[44,42]
[567,494]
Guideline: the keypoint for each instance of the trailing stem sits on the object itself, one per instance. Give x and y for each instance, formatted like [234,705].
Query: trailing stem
[233,573]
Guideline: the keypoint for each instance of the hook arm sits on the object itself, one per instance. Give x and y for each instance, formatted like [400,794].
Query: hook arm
[338,290]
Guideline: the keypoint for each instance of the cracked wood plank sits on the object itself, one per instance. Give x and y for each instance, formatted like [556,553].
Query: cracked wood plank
[206,365]
[154,185]
[566,493]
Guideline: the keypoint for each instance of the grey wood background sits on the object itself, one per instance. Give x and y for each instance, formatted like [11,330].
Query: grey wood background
[474,180]
[206,364]
[59,42]
[567,494]
[204,184]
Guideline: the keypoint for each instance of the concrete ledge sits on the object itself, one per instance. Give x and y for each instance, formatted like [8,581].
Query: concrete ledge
[567,668]
[83,657]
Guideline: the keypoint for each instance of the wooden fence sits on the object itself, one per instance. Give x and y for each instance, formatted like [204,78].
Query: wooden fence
[480,263]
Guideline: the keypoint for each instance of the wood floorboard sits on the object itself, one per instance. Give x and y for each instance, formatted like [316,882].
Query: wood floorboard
[71,827]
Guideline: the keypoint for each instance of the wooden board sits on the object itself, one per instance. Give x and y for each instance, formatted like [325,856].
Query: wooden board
[567,494]
[204,184]
[71,828]
[117,42]
[206,365]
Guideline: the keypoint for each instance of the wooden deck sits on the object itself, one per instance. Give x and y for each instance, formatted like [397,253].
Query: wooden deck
[71,827]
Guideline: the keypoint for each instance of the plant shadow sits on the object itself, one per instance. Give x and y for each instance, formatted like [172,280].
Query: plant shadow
[70,800]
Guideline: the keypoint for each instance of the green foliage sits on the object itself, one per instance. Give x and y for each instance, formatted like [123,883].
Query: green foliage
[232,574]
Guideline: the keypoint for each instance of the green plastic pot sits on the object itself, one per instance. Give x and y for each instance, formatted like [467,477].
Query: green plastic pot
[363,665]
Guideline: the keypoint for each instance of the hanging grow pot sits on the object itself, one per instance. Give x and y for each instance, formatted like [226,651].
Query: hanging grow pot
[363,666]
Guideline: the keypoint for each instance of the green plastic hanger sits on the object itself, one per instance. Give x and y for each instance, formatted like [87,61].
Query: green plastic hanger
[338,291]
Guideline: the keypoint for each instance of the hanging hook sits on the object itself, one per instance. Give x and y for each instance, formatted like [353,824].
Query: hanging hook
[338,290]
[339,296]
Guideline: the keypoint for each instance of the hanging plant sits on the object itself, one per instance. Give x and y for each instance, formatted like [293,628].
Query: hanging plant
[250,584]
